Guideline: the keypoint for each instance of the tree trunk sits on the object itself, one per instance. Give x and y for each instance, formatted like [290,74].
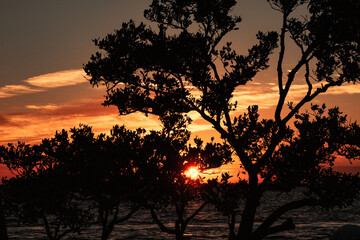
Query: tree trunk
[179,235]
[248,216]
[107,226]
[106,232]
[47,227]
[231,223]
[3,228]
[232,236]
[247,221]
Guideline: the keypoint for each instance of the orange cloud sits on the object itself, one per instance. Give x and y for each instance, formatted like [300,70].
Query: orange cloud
[12,90]
[345,89]
[4,120]
[43,82]
[43,120]
[266,95]
[300,90]
[58,79]
[38,107]
[38,121]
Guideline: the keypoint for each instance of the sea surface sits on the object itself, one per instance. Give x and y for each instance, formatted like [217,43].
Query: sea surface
[311,223]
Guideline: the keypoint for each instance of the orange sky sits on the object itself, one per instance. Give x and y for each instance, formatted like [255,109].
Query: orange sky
[44,45]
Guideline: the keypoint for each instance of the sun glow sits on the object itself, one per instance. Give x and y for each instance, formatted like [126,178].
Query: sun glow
[192,172]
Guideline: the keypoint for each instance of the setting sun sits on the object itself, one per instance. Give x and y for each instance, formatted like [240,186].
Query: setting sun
[192,172]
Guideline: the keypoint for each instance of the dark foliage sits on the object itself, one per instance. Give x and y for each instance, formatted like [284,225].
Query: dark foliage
[185,66]
[42,190]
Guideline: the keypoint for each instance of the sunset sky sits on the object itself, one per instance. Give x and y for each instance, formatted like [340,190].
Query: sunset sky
[44,45]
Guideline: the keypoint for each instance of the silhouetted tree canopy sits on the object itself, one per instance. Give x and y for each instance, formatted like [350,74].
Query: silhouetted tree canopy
[42,191]
[163,172]
[179,66]
[184,65]
[71,180]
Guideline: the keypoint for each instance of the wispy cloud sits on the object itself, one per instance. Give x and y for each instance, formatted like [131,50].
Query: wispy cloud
[345,89]
[58,79]
[43,82]
[37,121]
[43,120]
[4,120]
[39,107]
[267,95]
[300,90]
[13,90]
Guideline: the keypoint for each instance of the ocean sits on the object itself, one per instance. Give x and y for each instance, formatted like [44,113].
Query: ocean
[311,223]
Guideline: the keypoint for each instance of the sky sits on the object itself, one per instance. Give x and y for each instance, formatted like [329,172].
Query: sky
[44,45]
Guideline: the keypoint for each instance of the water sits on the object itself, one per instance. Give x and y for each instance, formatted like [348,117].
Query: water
[311,223]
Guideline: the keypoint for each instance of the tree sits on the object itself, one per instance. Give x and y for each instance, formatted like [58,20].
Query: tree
[66,177]
[163,173]
[178,69]
[227,198]
[104,169]
[42,190]
[3,226]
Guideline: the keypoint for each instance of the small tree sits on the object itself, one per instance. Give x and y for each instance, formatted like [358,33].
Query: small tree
[184,66]
[227,198]
[163,173]
[3,226]
[104,166]
[42,189]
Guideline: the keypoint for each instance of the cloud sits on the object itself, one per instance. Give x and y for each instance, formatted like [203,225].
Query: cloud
[4,120]
[301,89]
[38,107]
[43,82]
[58,79]
[42,121]
[37,121]
[13,90]
[266,95]
[345,89]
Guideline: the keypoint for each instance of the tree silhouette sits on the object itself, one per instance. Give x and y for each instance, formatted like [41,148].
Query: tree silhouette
[3,226]
[163,174]
[227,198]
[42,190]
[67,177]
[185,66]
[103,169]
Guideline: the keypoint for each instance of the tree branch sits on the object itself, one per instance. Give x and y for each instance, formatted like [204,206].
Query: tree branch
[281,54]
[228,122]
[112,222]
[216,125]
[195,213]
[213,66]
[283,94]
[65,233]
[270,150]
[47,227]
[285,226]
[128,216]
[265,228]
[179,211]
[163,228]
[309,98]
[307,74]
[57,228]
